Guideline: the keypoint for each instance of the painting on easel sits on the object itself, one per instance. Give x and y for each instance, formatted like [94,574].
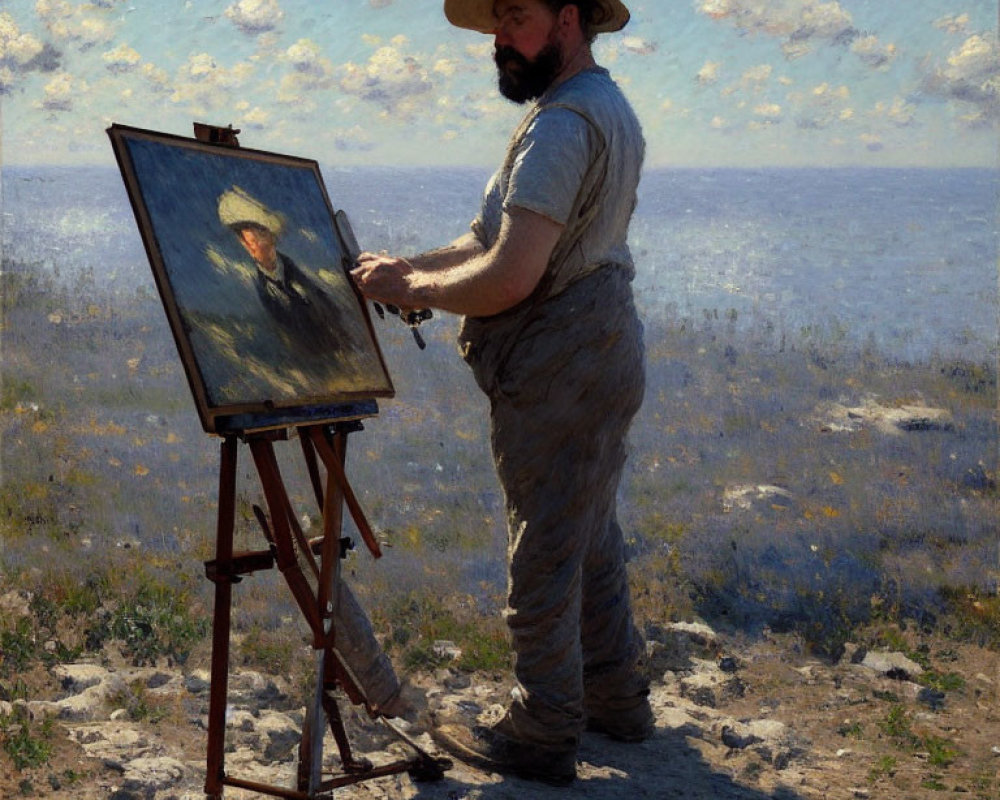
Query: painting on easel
[251,262]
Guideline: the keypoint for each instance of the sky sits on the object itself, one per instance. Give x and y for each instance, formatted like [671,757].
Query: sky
[388,82]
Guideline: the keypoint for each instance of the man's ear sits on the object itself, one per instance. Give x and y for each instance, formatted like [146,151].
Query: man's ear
[569,18]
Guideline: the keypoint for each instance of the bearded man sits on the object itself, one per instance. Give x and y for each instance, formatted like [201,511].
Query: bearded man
[543,281]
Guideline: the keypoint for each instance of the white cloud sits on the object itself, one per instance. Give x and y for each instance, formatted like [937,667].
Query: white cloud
[255,16]
[306,57]
[898,112]
[638,45]
[256,117]
[757,75]
[61,92]
[871,51]
[822,106]
[16,48]
[802,24]
[157,77]
[446,66]
[121,58]
[19,53]
[971,75]
[204,84]
[709,73]
[311,72]
[769,112]
[793,19]
[84,25]
[872,142]
[391,79]
[957,23]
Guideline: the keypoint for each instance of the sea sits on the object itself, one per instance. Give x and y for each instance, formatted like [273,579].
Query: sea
[903,260]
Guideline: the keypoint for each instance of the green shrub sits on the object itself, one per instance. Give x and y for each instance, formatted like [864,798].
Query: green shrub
[270,651]
[940,751]
[152,620]
[28,745]
[415,621]
[974,616]
[18,648]
[138,703]
[897,727]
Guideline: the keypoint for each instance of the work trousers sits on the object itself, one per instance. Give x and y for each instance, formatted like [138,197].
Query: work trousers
[561,404]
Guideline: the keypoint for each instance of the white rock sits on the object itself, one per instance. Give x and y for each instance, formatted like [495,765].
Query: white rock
[443,648]
[895,665]
[744,496]
[154,773]
[77,677]
[698,632]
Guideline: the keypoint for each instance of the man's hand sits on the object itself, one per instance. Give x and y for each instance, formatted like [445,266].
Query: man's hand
[385,278]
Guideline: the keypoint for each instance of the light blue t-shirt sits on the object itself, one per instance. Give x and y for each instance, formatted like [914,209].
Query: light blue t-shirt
[576,159]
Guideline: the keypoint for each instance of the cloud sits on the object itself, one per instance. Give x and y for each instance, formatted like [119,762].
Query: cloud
[793,19]
[391,79]
[354,138]
[254,118]
[21,53]
[638,46]
[709,73]
[822,106]
[311,72]
[306,58]
[768,112]
[121,59]
[898,112]
[872,142]
[798,22]
[255,16]
[971,75]
[757,76]
[16,48]
[61,92]
[204,84]
[84,25]
[872,52]
[958,23]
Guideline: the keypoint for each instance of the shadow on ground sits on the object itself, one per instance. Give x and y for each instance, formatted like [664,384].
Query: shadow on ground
[664,767]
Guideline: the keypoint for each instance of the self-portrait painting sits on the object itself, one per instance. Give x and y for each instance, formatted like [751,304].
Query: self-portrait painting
[251,268]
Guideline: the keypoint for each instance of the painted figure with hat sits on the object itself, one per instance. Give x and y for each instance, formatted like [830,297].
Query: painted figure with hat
[296,301]
[543,281]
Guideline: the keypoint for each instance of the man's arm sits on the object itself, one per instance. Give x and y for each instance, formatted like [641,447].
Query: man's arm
[463,278]
[462,249]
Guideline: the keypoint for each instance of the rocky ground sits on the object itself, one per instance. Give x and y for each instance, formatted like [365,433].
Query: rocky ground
[745,720]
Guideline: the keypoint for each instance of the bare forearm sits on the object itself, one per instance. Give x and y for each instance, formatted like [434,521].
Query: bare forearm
[477,287]
[463,278]
[465,247]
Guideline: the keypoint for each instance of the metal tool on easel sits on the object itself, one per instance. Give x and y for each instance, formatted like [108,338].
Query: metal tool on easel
[310,567]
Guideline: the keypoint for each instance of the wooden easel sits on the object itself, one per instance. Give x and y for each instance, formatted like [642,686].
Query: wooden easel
[297,557]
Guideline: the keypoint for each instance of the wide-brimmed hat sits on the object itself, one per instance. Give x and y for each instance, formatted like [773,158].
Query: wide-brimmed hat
[477,15]
[237,208]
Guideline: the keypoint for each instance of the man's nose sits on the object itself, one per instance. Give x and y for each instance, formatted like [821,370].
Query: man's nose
[500,38]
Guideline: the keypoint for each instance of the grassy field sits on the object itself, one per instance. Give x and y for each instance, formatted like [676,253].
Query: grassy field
[107,501]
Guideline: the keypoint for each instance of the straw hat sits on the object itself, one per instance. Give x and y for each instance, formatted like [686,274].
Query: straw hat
[236,208]
[477,15]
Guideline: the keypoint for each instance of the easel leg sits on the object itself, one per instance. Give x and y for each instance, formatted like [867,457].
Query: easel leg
[215,770]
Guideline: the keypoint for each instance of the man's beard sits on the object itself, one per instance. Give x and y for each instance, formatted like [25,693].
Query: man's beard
[528,80]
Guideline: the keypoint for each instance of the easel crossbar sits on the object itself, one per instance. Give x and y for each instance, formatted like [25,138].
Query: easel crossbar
[286,540]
